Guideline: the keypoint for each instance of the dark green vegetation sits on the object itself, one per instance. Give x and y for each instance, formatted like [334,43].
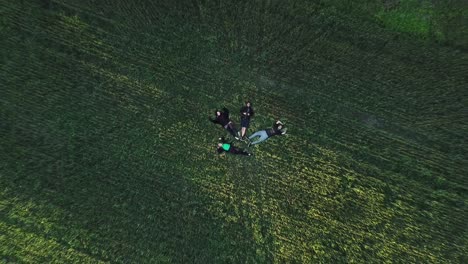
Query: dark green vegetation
[106,153]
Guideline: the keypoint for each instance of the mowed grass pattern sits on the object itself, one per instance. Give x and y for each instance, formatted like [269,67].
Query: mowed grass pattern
[107,154]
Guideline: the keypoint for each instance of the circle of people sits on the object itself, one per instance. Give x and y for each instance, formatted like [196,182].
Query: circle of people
[246,113]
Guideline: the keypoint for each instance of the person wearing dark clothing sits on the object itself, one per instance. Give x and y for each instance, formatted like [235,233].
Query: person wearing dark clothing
[222,118]
[246,112]
[277,129]
[224,146]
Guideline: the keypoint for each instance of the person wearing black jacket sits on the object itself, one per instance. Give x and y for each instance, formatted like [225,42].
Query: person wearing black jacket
[222,118]
[246,112]
[224,146]
[276,130]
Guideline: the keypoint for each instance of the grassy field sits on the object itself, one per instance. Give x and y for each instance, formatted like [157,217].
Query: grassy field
[107,154]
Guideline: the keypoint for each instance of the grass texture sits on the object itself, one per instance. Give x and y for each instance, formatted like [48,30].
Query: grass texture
[107,155]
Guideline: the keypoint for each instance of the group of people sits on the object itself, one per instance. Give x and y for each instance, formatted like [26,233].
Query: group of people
[246,113]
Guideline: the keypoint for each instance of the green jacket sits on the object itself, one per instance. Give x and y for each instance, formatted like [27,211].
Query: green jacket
[226,146]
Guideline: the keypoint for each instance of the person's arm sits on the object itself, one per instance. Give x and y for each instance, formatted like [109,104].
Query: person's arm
[225,113]
[243,112]
[215,121]
[275,126]
[277,131]
[252,113]
[283,129]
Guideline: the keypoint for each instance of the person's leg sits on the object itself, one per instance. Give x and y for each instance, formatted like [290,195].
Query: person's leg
[233,127]
[262,134]
[232,130]
[237,151]
[244,125]
[254,135]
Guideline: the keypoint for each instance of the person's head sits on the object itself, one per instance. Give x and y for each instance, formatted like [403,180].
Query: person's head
[219,149]
[279,124]
[217,113]
[248,104]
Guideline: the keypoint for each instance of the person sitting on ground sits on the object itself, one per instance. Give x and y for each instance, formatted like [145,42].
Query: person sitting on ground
[224,146]
[246,112]
[222,118]
[277,129]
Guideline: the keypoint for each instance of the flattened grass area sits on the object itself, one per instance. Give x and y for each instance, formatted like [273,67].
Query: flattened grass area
[107,154]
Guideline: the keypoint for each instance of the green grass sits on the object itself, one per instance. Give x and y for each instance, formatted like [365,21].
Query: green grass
[107,155]
[443,21]
[411,17]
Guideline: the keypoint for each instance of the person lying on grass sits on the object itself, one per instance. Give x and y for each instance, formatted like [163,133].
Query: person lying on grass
[277,129]
[246,112]
[224,146]
[222,118]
